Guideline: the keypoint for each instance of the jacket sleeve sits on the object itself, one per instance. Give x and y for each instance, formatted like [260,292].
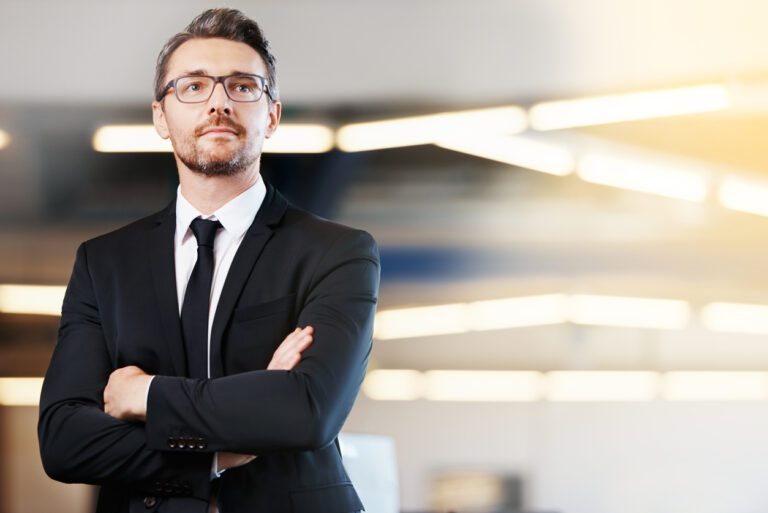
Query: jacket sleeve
[302,409]
[79,442]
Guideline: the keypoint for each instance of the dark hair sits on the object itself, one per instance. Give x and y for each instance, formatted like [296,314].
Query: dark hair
[222,23]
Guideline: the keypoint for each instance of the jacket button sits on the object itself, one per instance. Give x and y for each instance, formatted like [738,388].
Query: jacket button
[150,502]
[171,442]
[182,443]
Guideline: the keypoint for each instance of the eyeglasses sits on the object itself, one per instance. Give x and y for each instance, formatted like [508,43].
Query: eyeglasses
[198,88]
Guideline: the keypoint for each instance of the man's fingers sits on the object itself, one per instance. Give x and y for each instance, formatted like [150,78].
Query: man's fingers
[296,346]
[288,353]
[227,460]
[294,340]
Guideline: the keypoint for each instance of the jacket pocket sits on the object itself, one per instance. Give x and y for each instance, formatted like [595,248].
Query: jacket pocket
[248,313]
[338,498]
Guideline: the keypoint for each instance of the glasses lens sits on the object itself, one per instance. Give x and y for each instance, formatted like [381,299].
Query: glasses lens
[194,89]
[244,88]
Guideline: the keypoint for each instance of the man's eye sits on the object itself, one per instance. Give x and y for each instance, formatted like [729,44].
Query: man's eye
[193,87]
[243,88]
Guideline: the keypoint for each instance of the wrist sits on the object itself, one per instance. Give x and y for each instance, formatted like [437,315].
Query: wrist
[141,413]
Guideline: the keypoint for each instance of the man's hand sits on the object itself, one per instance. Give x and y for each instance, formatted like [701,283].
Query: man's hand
[125,396]
[232,459]
[287,355]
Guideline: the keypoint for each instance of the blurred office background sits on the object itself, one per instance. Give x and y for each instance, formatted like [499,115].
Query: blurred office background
[573,314]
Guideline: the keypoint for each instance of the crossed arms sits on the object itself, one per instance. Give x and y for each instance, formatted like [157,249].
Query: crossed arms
[250,413]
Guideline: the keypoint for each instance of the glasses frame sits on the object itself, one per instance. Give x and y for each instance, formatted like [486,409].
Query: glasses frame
[216,80]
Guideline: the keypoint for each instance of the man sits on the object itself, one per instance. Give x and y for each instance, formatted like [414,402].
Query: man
[179,381]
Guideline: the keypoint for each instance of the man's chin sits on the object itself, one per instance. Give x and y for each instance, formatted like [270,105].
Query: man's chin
[221,164]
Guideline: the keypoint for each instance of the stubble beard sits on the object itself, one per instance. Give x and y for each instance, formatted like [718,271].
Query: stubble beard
[203,162]
[190,150]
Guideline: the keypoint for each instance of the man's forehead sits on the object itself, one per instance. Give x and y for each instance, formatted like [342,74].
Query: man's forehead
[215,56]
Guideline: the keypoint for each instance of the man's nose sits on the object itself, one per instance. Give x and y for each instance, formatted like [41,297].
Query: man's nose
[219,102]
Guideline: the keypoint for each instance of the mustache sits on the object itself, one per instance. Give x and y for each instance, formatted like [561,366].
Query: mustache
[219,121]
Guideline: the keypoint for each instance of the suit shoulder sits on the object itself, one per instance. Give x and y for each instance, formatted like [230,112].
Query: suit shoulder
[321,230]
[125,234]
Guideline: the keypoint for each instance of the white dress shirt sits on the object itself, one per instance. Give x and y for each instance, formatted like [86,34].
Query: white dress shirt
[235,217]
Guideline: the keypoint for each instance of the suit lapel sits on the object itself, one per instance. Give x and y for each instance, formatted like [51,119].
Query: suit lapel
[162,263]
[270,213]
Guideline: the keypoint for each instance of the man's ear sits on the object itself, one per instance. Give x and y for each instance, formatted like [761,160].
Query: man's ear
[158,118]
[275,109]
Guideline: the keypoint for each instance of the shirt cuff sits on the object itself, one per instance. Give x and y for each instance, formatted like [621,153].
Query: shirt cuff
[146,397]
[215,473]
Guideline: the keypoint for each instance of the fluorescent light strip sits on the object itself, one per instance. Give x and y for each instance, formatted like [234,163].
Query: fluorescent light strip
[31,299]
[394,384]
[565,386]
[289,138]
[649,177]
[663,314]
[129,139]
[743,195]
[735,318]
[20,391]
[461,385]
[523,311]
[463,317]
[516,312]
[5,139]
[300,138]
[602,386]
[715,386]
[421,321]
[516,151]
[428,129]
[600,110]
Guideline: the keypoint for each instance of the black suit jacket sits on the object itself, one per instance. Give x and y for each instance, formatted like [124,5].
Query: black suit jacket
[121,308]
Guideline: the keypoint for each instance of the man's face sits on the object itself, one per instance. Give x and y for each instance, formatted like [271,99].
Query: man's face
[219,136]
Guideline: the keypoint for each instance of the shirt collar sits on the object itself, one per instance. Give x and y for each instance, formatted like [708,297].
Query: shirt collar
[235,216]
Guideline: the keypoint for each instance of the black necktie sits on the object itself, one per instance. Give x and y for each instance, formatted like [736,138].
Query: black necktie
[197,299]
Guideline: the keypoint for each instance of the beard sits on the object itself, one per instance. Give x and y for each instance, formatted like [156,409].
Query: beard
[216,162]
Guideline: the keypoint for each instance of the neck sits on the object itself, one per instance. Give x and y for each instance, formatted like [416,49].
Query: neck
[209,193]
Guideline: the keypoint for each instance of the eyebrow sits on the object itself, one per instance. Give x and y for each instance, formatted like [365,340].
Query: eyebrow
[200,72]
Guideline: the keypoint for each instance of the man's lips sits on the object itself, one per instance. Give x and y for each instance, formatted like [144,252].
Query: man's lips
[219,130]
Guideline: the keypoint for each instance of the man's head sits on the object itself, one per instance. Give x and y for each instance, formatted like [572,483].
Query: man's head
[221,130]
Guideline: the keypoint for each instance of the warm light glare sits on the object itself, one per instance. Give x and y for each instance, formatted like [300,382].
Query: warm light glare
[600,110]
[602,385]
[715,386]
[5,139]
[744,195]
[20,391]
[460,385]
[31,299]
[516,151]
[630,312]
[410,131]
[393,385]
[735,318]
[649,177]
[288,138]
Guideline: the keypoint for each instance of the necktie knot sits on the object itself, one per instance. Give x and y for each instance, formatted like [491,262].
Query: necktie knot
[204,230]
